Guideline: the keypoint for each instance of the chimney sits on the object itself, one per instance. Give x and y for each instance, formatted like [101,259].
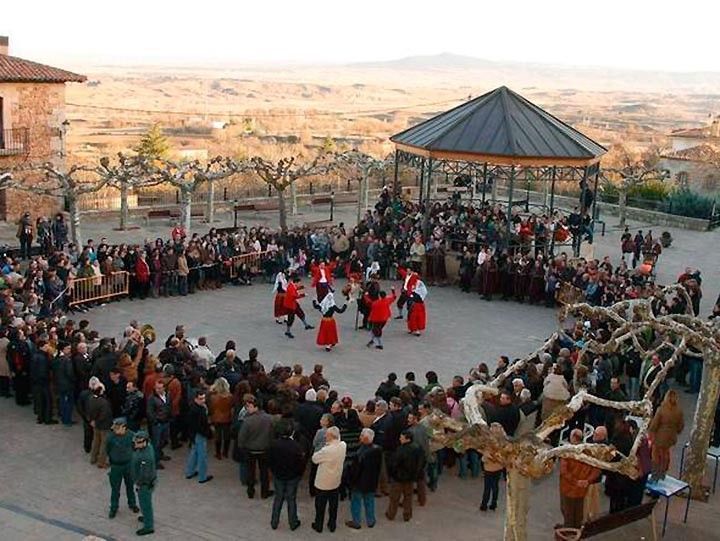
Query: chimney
[4,45]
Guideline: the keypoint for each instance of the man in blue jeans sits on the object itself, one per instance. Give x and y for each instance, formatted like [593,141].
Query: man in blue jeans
[363,479]
[199,432]
[286,460]
[159,413]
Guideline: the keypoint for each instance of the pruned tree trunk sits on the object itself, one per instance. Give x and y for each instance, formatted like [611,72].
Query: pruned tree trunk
[518,498]
[366,192]
[282,210]
[361,196]
[124,209]
[696,460]
[74,211]
[186,210]
[210,212]
[622,206]
[293,197]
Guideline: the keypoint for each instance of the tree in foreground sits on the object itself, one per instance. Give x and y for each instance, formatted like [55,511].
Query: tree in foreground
[530,457]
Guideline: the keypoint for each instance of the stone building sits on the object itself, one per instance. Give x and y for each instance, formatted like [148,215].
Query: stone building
[32,127]
[695,158]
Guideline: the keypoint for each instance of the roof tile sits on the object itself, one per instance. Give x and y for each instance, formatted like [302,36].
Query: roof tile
[18,70]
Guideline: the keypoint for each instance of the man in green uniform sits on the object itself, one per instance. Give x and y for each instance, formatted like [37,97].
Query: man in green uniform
[144,474]
[119,448]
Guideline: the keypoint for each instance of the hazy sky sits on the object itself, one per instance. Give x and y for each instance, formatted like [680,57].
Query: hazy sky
[659,35]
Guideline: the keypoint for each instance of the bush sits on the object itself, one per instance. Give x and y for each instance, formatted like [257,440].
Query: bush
[688,203]
[654,190]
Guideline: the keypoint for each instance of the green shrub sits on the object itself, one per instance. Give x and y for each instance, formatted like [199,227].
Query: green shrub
[688,203]
[654,190]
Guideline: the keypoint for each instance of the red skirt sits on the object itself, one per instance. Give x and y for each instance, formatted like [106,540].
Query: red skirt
[327,333]
[279,306]
[417,317]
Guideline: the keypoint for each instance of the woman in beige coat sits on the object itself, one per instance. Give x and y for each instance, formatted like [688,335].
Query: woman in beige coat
[664,429]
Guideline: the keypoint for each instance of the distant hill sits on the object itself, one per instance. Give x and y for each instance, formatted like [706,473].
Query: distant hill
[553,76]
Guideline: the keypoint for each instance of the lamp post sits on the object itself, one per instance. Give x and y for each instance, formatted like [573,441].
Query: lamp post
[332,205]
[235,213]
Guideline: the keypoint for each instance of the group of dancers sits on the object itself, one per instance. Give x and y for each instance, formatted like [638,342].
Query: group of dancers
[374,304]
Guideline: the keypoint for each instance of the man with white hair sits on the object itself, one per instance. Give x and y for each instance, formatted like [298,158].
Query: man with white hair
[518,385]
[364,474]
[330,460]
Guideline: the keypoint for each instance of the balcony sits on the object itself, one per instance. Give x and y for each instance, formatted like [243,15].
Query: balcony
[14,142]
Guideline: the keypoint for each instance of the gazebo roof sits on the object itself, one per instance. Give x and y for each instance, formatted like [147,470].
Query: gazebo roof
[500,127]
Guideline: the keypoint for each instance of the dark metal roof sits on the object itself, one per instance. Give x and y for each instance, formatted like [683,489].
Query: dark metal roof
[500,123]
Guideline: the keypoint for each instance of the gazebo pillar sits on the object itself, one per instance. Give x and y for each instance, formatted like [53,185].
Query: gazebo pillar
[422,180]
[484,182]
[510,200]
[426,224]
[395,177]
[595,194]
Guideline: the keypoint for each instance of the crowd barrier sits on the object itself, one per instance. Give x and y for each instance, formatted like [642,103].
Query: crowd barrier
[253,261]
[98,288]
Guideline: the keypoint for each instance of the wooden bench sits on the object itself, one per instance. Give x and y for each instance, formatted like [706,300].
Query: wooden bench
[172,214]
[614,521]
[321,200]
[244,207]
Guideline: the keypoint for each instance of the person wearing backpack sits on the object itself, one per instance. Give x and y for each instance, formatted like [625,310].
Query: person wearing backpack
[142,467]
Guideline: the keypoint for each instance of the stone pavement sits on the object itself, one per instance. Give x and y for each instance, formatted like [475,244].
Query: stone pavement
[49,491]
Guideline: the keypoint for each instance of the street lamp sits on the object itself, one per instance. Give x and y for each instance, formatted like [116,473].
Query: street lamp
[235,204]
[332,204]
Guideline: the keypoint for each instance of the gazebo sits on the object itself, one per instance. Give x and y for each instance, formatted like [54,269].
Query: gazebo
[499,136]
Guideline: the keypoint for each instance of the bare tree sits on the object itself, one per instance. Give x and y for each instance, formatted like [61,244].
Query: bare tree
[530,457]
[630,170]
[283,173]
[365,165]
[77,181]
[188,177]
[129,172]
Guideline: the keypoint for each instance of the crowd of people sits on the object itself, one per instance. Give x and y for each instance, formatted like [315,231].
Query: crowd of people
[280,422]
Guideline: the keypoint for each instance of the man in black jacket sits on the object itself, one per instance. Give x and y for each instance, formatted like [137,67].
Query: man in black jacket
[199,433]
[404,468]
[286,460]
[100,416]
[116,390]
[40,379]
[364,474]
[308,414]
[388,389]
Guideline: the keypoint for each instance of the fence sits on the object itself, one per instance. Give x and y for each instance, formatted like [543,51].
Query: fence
[98,288]
[253,260]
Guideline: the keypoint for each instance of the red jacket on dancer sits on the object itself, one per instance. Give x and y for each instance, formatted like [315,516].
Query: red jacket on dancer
[380,311]
[322,278]
[292,294]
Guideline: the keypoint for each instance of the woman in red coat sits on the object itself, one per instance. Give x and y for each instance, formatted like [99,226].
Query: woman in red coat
[417,316]
[380,313]
[327,333]
[142,275]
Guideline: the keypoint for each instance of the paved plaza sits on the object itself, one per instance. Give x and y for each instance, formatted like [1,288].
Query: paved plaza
[48,490]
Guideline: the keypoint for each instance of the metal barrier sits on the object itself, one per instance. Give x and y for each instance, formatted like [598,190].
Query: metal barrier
[98,288]
[253,260]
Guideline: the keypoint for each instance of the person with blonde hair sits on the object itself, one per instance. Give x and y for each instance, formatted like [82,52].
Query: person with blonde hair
[664,428]
[220,404]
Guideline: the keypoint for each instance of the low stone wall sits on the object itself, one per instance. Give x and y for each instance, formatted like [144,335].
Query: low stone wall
[632,213]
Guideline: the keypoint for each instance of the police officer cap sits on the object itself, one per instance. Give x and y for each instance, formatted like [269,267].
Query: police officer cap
[120,421]
[141,435]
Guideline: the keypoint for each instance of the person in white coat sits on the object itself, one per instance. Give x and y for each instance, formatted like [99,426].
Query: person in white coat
[330,460]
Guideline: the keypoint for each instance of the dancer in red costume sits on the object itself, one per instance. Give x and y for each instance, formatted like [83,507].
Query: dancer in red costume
[327,333]
[322,278]
[417,317]
[293,293]
[279,288]
[380,313]
[410,278]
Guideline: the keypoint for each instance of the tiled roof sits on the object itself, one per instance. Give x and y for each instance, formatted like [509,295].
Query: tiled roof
[700,153]
[18,70]
[501,123]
